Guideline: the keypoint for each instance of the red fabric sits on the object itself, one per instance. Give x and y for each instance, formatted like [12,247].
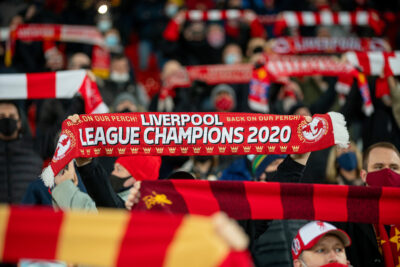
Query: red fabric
[22,238]
[139,227]
[256,29]
[237,258]
[41,85]
[141,167]
[207,206]
[171,32]
[91,95]
[201,134]
[384,244]
[381,87]
[255,200]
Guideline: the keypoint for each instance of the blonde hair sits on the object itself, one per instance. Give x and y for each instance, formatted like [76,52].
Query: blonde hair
[332,166]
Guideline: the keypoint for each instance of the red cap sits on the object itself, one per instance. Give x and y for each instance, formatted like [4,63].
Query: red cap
[141,167]
[312,232]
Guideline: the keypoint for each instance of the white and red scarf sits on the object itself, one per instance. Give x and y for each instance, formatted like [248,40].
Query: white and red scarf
[60,84]
[50,33]
[319,45]
[171,32]
[177,134]
[328,18]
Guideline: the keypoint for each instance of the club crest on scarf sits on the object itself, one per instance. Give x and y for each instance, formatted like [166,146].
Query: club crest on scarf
[65,144]
[313,131]
[156,199]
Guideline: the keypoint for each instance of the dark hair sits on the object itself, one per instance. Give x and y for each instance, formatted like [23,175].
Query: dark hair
[379,144]
[10,102]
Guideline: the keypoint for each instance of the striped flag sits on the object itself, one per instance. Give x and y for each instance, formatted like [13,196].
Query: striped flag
[255,200]
[114,238]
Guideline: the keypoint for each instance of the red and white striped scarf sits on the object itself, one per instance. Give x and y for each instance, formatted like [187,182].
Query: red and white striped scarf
[328,18]
[50,33]
[60,84]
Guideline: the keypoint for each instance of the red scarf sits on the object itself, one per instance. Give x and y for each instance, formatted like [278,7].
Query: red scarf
[319,45]
[328,18]
[50,33]
[247,200]
[60,84]
[193,134]
[389,245]
[171,32]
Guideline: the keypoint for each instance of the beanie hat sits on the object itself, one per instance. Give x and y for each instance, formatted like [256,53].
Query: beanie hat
[312,232]
[141,167]
[123,97]
[261,162]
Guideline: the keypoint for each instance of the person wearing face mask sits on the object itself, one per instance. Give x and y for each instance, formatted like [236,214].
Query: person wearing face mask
[344,166]
[381,167]
[320,244]
[232,54]
[19,163]
[120,81]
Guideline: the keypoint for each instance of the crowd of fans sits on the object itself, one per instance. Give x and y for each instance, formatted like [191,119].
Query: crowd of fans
[134,34]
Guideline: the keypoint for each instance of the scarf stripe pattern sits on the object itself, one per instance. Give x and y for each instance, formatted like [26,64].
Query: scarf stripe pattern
[328,18]
[177,134]
[60,84]
[247,200]
[114,238]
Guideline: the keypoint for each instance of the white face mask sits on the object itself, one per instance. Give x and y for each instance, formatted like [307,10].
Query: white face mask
[119,77]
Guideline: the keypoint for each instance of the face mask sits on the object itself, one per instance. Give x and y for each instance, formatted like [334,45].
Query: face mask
[347,161]
[126,110]
[119,77]
[112,40]
[385,177]
[231,59]
[224,103]
[268,175]
[104,25]
[171,10]
[117,183]
[8,126]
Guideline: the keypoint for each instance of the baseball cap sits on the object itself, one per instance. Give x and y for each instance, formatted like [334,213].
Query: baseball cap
[312,232]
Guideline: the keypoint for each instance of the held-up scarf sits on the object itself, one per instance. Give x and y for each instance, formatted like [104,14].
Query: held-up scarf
[62,33]
[177,134]
[115,238]
[60,84]
[328,18]
[319,45]
[382,64]
[276,67]
[272,200]
[171,32]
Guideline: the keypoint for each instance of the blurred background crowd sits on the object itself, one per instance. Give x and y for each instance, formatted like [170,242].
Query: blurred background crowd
[142,56]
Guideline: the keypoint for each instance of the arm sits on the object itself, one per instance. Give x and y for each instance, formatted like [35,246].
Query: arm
[67,196]
[98,185]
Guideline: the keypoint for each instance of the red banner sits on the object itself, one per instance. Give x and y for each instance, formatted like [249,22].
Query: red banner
[176,134]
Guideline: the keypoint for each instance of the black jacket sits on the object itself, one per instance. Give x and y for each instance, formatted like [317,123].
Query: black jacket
[19,166]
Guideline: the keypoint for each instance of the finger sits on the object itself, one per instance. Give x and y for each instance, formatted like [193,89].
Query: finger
[308,118]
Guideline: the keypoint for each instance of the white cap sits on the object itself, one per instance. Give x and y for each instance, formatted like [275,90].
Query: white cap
[312,232]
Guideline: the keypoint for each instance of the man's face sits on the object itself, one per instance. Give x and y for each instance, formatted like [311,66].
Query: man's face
[329,249]
[10,111]
[380,158]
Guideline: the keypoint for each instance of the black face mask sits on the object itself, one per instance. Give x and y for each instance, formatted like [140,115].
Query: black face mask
[117,183]
[126,110]
[268,175]
[8,126]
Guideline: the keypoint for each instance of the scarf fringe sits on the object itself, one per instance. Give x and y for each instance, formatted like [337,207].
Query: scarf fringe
[339,129]
[47,177]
